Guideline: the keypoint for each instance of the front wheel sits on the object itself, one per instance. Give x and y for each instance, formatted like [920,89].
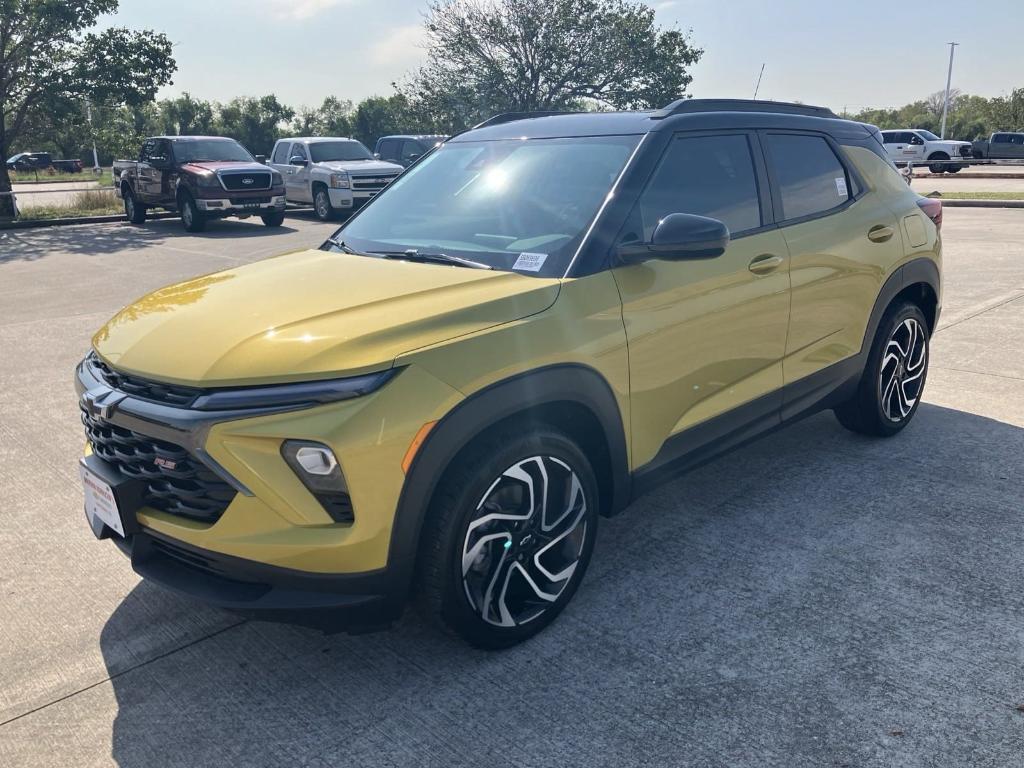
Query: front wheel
[275,219]
[937,167]
[509,537]
[193,219]
[891,386]
[322,204]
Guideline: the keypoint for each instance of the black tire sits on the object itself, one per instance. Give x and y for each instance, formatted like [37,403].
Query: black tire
[937,167]
[275,219]
[954,169]
[134,211]
[193,219]
[520,551]
[890,389]
[322,203]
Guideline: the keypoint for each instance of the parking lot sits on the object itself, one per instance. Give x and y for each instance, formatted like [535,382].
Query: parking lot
[814,599]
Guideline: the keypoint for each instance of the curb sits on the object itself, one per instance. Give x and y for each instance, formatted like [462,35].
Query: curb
[112,219]
[979,203]
[963,175]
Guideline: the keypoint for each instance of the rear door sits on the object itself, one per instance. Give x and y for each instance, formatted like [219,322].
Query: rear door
[279,158]
[147,185]
[841,239]
[1015,149]
[297,180]
[706,335]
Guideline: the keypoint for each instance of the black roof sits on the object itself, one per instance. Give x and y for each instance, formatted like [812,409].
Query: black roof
[438,136]
[684,114]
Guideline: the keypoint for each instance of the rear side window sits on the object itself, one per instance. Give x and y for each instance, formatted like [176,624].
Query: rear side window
[810,178]
[281,153]
[388,149]
[888,138]
[1001,138]
[706,175]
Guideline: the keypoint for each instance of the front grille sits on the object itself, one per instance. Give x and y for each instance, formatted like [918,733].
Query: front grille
[176,481]
[153,391]
[965,151]
[242,181]
[371,182]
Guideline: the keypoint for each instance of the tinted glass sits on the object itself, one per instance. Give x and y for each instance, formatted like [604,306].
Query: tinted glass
[512,204]
[411,150]
[299,151]
[388,149]
[147,150]
[328,151]
[929,136]
[1001,138]
[707,175]
[281,153]
[809,175]
[888,137]
[226,150]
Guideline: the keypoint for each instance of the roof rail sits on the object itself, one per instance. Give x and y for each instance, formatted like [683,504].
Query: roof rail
[510,117]
[690,106]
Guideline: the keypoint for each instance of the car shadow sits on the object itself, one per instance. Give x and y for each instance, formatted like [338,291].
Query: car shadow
[23,245]
[794,602]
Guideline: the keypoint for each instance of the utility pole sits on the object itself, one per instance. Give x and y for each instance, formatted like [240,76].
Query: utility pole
[758,86]
[945,102]
[92,135]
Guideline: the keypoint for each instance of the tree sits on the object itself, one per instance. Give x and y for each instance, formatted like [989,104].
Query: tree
[379,116]
[185,116]
[255,123]
[332,118]
[487,56]
[47,53]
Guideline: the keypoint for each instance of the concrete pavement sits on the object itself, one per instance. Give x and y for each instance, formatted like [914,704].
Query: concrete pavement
[814,599]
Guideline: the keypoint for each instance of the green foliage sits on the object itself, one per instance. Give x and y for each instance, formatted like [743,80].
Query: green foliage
[970,117]
[254,122]
[49,59]
[490,56]
[332,118]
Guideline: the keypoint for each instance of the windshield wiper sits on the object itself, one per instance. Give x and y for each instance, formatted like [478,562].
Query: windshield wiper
[344,248]
[412,254]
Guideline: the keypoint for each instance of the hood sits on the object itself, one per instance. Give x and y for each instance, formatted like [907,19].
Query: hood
[224,165]
[361,167]
[309,315]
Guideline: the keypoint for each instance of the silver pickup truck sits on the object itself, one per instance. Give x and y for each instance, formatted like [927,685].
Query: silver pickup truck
[333,173]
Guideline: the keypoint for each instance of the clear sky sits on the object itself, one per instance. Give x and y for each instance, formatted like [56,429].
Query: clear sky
[852,54]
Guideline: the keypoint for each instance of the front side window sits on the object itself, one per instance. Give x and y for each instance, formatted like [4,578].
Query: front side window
[298,151]
[706,175]
[513,204]
[331,151]
[211,150]
[810,178]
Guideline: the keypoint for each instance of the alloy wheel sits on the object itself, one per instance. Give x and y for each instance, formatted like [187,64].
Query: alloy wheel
[323,206]
[902,372]
[129,206]
[186,214]
[523,546]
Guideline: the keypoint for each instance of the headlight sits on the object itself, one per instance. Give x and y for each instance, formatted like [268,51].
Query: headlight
[208,180]
[276,179]
[339,180]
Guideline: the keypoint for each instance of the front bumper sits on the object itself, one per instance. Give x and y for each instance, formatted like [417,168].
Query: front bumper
[328,602]
[240,207]
[346,198]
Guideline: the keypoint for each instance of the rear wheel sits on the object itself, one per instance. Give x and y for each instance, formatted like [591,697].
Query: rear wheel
[936,167]
[133,209]
[893,381]
[322,203]
[509,537]
[193,219]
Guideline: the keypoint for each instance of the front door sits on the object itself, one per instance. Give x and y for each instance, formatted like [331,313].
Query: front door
[705,336]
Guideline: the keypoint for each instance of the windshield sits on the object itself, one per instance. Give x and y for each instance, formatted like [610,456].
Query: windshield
[326,151]
[220,150]
[515,204]
[928,136]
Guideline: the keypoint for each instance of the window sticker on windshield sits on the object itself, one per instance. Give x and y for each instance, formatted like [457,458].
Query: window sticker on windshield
[530,262]
[841,187]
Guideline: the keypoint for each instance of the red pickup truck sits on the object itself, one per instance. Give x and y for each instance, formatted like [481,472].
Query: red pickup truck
[203,178]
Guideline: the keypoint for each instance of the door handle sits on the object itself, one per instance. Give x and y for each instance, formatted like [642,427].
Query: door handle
[765,263]
[880,233]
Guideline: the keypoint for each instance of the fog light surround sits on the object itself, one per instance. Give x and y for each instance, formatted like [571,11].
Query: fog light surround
[317,467]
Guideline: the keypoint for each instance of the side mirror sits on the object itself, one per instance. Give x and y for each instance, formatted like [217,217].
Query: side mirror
[261,159]
[296,160]
[412,158]
[376,155]
[679,236]
[159,162]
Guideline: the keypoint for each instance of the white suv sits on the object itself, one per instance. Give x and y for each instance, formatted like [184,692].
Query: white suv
[916,145]
[332,173]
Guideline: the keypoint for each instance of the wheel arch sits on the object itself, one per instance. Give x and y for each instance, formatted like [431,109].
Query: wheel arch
[575,399]
[917,281]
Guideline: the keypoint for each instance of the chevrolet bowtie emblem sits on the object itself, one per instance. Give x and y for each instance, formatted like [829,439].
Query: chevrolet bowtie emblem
[101,403]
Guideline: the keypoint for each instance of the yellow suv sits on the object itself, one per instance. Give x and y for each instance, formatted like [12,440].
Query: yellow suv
[536,323]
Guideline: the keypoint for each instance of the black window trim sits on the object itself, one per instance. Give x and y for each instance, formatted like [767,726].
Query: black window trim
[854,181]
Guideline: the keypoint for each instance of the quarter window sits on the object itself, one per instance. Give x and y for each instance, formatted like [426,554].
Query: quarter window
[810,178]
[706,175]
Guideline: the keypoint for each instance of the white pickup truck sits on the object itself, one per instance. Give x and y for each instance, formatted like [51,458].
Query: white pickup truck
[921,147]
[333,173]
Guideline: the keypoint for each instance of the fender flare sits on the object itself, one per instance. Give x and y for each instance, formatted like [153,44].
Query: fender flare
[920,270]
[481,410]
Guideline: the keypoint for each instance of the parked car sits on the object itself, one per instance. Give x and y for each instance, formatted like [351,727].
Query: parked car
[41,161]
[922,147]
[548,318]
[203,178]
[1003,145]
[406,149]
[333,173]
